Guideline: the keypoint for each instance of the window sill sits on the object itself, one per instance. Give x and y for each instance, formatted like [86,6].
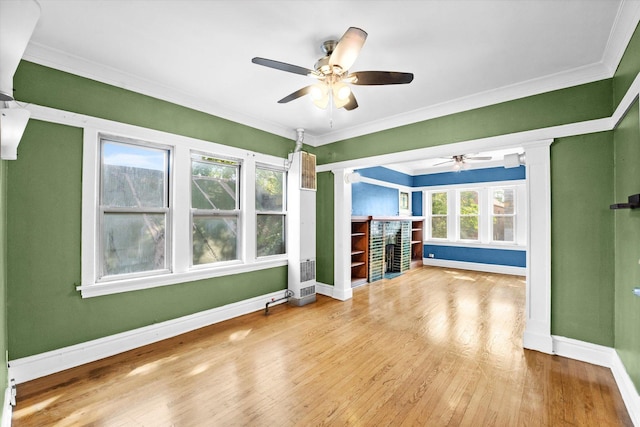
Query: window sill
[505,246]
[147,282]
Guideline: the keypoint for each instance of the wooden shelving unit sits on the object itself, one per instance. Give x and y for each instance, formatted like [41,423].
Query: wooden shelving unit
[417,242]
[359,250]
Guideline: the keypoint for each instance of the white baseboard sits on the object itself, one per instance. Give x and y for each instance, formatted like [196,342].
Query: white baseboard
[39,365]
[607,357]
[627,389]
[7,409]
[324,289]
[476,266]
[583,351]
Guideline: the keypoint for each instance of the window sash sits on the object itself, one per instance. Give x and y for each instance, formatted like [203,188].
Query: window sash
[102,270]
[211,244]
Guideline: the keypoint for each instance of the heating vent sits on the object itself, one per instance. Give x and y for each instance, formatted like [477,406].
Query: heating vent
[308,171]
[309,290]
[307,270]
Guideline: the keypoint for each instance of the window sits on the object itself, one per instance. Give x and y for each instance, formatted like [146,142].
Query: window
[503,215]
[133,209]
[465,214]
[161,209]
[439,215]
[215,209]
[270,211]
[468,215]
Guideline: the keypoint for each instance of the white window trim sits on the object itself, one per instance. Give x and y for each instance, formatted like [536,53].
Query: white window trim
[181,270]
[484,233]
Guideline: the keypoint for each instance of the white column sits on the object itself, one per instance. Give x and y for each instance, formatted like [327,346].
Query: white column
[537,334]
[342,236]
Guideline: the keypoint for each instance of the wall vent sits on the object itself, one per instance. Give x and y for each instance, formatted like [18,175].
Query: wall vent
[308,171]
[309,290]
[307,270]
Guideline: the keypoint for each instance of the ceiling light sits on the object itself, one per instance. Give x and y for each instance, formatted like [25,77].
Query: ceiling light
[513,160]
[320,95]
[341,94]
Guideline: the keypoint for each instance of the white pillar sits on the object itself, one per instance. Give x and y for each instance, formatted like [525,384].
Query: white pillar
[537,334]
[342,236]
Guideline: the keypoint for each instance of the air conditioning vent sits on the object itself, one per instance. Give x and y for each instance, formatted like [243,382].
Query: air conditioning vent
[309,290]
[308,171]
[307,270]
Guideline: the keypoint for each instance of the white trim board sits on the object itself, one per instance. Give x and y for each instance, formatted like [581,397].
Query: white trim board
[7,409]
[475,266]
[602,356]
[39,365]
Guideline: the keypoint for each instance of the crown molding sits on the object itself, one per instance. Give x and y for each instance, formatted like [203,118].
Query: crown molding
[625,23]
[532,87]
[76,65]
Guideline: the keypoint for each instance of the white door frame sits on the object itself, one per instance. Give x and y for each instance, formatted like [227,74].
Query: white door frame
[537,334]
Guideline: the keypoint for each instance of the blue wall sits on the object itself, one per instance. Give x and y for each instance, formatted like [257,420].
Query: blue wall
[416,203]
[369,199]
[387,175]
[469,176]
[478,255]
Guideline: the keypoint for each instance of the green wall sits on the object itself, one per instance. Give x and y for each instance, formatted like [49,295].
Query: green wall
[591,287]
[3,281]
[43,208]
[582,271]
[324,218]
[56,89]
[628,68]
[627,244]
[570,105]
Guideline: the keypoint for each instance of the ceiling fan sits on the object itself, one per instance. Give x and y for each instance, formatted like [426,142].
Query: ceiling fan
[460,160]
[332,72]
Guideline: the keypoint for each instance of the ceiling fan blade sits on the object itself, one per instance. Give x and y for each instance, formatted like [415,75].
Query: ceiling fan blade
[442,163]
[381,78]
[348,48]
[283,66]
[352,104]
[479,158]
[295,95]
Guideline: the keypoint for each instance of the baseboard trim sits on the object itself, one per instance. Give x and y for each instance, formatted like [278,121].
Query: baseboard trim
[476,266]
[583,351]
[324,289]
[40,365]
[7,409]
[607,357]
[627,389]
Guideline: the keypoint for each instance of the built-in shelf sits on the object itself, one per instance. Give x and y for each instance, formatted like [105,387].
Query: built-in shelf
[417,239]
[359,250]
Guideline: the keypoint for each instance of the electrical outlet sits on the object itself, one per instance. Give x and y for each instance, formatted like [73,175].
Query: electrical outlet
[432,256]
[636,292]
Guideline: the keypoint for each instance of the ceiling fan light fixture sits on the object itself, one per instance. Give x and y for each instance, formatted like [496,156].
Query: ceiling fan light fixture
[319,95]
[341,94]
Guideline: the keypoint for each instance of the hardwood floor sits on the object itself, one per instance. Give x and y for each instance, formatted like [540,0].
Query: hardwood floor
[429,348]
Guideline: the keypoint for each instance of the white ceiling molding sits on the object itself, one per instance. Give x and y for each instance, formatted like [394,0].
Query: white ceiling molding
[73,64]
[626,21]
[512,53]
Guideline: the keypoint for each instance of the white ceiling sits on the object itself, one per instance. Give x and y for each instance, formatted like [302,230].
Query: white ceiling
[464,54]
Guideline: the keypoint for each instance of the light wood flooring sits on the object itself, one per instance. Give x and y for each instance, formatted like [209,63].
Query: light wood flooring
[432,347]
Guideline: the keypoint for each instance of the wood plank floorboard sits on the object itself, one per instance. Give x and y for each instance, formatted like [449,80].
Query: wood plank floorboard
[432,347]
